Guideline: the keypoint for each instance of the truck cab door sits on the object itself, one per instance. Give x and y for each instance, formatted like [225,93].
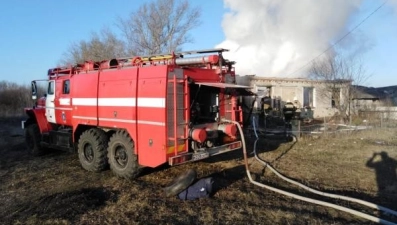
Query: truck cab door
[50,102]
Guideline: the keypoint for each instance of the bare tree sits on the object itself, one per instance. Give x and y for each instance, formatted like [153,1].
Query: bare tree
[156,27]
[160,26]
[104,45]
[341,76]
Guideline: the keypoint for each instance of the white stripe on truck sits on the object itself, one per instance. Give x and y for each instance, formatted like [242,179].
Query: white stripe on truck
[120,102]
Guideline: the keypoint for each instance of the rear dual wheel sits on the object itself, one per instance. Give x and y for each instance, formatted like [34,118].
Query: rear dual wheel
[92,150]
[121,154]
[96,152]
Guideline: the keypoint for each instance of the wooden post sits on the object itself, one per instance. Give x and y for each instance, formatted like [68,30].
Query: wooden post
[381,119]
[299,130]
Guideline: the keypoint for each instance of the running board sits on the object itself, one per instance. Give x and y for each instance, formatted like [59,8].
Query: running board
[203,153]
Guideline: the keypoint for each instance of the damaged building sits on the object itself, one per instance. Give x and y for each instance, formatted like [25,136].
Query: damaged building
[312,98]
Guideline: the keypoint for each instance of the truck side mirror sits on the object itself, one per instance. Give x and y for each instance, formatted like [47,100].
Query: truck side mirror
[34,90]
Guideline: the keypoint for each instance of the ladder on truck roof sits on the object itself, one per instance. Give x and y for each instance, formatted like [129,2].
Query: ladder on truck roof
[179,59]
[180,54]
[168,58]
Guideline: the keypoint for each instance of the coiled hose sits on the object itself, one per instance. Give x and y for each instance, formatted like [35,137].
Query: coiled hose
[306,199]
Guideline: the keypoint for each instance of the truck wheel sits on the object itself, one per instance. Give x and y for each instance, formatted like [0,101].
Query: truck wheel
[92,150]
[33,138]
[122,158]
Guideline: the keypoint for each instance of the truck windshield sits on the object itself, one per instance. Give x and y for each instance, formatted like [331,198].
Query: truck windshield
[42,86]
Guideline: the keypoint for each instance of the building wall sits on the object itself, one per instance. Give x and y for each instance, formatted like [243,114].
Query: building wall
[284,90]
[365,104]
[388,112]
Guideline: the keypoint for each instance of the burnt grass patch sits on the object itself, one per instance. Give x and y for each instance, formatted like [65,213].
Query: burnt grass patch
[61,206]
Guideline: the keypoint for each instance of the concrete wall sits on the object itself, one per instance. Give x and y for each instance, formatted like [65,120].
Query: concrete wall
[282,90]
[365,104]
[388,112]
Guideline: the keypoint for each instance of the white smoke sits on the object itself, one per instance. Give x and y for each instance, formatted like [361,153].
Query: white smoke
[278,37]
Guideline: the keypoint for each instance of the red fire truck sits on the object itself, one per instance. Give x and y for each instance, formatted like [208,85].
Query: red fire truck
[130,113]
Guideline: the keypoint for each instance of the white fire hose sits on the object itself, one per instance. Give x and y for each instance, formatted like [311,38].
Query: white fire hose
[306,199]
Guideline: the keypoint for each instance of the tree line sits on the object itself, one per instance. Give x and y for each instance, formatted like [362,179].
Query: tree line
[14,98]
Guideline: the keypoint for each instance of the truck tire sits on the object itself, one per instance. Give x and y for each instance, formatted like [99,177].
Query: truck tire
[122,158]
[92,149]
[33,139]
[180,183]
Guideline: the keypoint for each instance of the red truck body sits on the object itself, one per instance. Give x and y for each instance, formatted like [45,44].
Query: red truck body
[167,108]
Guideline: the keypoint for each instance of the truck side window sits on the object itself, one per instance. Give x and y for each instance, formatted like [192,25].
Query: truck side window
[66,87]
[51,87]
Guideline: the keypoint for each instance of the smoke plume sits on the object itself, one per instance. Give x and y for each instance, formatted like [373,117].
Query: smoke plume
[278,37]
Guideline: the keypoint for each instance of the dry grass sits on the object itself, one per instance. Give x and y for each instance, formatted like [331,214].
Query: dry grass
[54,189]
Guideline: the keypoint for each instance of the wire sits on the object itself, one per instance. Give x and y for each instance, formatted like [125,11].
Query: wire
[340,39]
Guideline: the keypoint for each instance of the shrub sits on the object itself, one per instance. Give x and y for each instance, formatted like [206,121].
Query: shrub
[14,98]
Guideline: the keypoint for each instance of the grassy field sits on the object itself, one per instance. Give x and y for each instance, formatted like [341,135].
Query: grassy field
[54,189]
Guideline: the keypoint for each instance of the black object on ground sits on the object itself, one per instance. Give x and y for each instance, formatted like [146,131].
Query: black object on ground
[181,183]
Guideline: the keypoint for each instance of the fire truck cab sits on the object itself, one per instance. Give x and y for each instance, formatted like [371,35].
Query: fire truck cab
[136,112]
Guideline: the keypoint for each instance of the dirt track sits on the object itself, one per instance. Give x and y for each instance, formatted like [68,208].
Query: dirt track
[54,189]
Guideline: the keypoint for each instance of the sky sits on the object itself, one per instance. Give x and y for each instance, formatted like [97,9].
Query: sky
[266,37]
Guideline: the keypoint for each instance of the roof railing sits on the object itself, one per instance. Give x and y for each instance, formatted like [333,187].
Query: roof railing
[177,58]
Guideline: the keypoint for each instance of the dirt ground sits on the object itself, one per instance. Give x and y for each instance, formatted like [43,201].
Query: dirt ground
[54,189]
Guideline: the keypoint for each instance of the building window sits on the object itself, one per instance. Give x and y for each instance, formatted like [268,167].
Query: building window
[335,97]
[263,94]
[51,88]
[308,97]
[66,87]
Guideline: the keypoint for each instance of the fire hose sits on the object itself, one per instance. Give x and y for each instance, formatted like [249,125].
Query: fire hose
[362,202]
[306,199]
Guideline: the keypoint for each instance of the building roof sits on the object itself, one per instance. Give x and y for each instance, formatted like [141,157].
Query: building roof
[300,80]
